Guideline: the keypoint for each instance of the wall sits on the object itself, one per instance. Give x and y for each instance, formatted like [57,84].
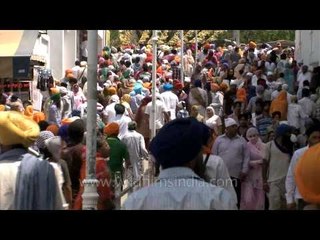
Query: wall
[308,47]
[42,48]
[56,53]
[70,48]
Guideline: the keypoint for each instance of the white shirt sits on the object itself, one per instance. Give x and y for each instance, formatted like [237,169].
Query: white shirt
[84,49]
[8,177]
[159,114]
[170,101]
[307,105]
[76,71]
[137,150]
[295,115]
[123,121]
[214,122]
[302,77]
[110,112]
[217,173]
[292,192]
[179,188]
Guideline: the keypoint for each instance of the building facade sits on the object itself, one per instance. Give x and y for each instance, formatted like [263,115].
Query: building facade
[307,44]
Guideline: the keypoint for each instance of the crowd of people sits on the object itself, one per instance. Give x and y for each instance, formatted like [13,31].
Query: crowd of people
[234,127]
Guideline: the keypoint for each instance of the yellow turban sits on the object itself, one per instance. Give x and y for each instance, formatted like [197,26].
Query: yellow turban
[307,175]
[2,107]
[112,129]
[15,128]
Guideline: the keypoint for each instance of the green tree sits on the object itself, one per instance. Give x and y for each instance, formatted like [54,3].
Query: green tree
[259,36]
[114,38]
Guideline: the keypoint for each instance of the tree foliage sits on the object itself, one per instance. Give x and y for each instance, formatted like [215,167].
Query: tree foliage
[260,36]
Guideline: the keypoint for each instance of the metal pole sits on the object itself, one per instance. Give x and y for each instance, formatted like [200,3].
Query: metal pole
[154,69]
[196,53]
[236,36]
[90,195]
[181,61]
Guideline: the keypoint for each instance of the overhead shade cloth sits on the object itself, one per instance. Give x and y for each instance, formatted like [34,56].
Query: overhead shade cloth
[16,48]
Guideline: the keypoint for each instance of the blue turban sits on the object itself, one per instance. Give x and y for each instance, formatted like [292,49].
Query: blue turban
[198,83]
[179,142]
[63,132]
[167,87]
[137,88]
[282,129]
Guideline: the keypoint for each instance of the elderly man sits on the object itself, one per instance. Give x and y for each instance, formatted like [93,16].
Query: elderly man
[178,186]
[136,148]
[26,182]
[232,148]
[275,166]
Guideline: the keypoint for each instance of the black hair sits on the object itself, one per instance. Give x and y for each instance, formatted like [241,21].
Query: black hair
[312,128]
[43,125]
[63,84]
[276,113]
[119,108]
[306,83]
[281,74]
[305,92]
[77,63]
[127,64]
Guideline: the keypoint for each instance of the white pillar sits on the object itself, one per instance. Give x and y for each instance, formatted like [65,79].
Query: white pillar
[154,69]
[90,195]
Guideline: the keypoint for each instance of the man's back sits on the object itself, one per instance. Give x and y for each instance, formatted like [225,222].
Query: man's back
[179,188]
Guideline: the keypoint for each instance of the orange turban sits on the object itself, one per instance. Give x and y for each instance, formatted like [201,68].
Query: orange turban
[178,86]
[38,117]
[67,121]
[252,44]
[55,90]
[70,75]
[224,87]
[112,129]
[112,90]
[68,71]
[53,128]
[241,95]
[307,175]
[28,112]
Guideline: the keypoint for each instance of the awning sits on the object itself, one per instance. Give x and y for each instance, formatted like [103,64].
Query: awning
[16,49]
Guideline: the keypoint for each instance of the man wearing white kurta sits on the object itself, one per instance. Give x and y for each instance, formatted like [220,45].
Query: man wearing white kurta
[294,199]
[170,100]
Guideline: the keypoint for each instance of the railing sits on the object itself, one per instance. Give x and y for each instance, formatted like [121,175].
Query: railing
[147,175]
